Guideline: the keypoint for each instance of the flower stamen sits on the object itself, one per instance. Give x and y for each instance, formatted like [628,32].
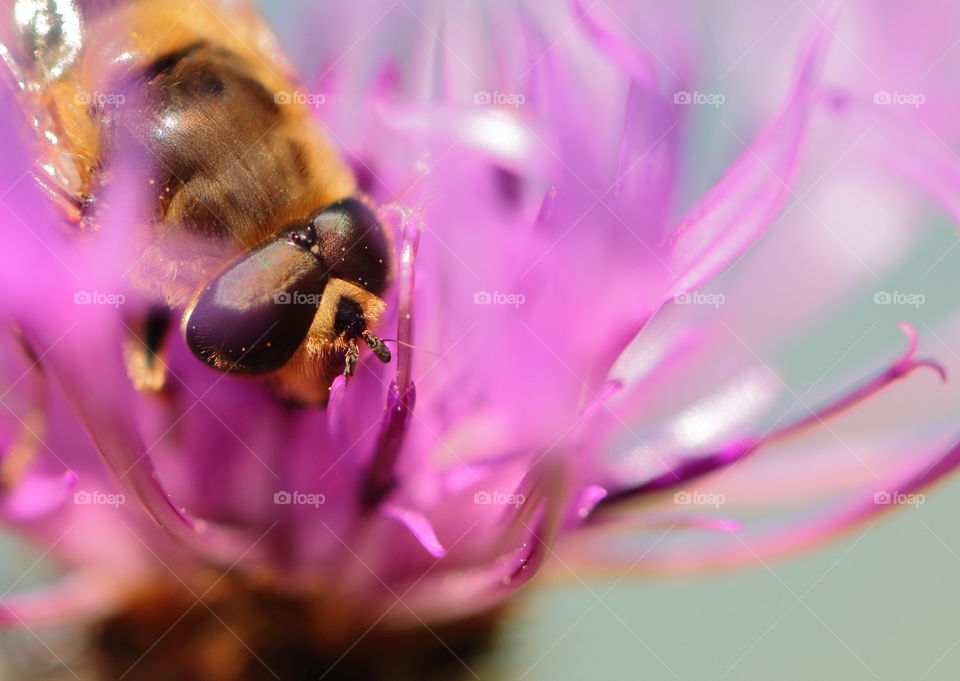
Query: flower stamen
[401,395]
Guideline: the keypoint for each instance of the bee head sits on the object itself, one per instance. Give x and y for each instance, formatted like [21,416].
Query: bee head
[321,276]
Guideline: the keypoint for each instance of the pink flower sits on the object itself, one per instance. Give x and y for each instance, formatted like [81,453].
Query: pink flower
[561,356]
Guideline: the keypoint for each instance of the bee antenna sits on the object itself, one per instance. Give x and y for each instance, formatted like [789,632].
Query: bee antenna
[412,347]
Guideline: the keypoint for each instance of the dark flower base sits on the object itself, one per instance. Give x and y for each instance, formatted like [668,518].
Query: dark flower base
[246,632]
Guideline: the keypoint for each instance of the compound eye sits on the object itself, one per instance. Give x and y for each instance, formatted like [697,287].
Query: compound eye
[353,243]
[252,317]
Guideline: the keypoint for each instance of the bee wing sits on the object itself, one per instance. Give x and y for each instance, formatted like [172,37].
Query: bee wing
[41,41]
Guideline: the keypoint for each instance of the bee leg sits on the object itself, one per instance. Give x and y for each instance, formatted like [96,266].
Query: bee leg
[142,350]
[350,360]
[15,73]
[72,206]
[21,453]
[61,186]
[377,346]
[64,180]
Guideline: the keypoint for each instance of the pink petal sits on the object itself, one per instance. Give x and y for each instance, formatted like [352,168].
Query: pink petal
[418,525]
[37,495]
[744,203]
[761,544]
[909,147]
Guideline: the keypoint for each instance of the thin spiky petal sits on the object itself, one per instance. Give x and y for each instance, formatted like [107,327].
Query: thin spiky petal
[695,467]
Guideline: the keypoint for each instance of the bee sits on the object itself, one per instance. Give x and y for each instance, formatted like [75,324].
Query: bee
[253,231]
